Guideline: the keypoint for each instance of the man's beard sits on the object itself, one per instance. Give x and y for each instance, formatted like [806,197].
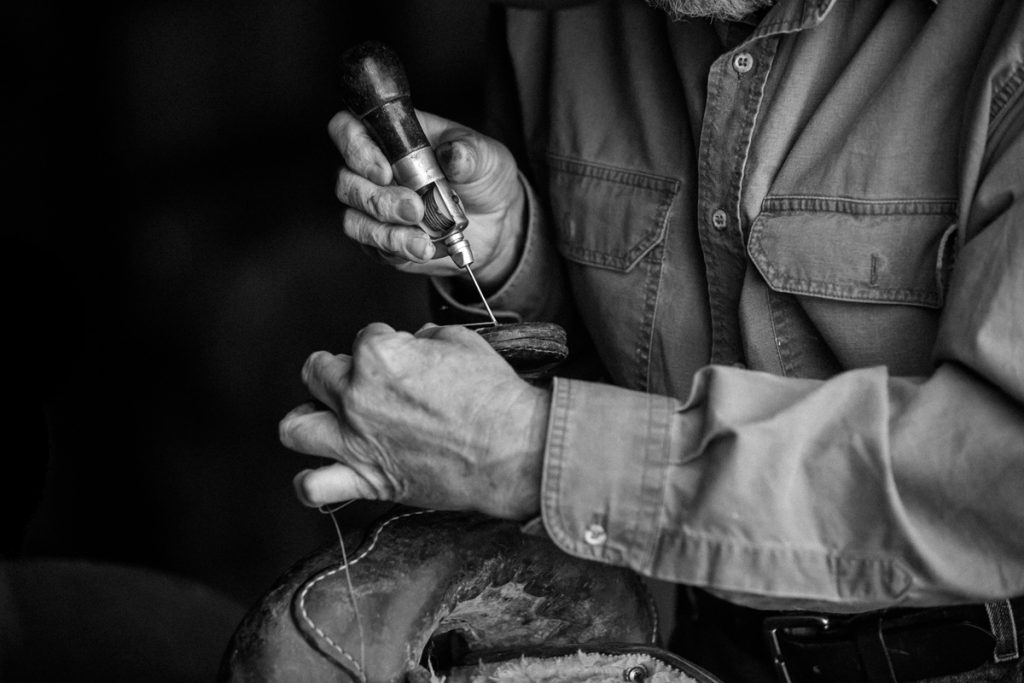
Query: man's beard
[714,9]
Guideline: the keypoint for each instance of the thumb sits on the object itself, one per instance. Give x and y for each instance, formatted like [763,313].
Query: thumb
[459,160]
[481,167]
[330,484]
[457,147]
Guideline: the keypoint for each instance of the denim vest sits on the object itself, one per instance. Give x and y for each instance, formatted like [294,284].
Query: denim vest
[786,203]
[798,248]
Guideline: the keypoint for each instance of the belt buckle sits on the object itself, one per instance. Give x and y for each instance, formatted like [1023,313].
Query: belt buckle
[789,622]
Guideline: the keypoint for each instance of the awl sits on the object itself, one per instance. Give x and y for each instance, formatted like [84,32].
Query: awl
[376,90]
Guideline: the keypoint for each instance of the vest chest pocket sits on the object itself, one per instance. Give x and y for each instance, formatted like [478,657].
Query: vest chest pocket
[609,225]
[876,253]
[868,279]
[606,216]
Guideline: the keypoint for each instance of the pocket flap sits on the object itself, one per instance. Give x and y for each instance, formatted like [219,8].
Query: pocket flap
[868,256]
[606,216]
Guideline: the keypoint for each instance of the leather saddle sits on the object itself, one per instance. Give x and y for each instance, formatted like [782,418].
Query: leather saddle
[431,596]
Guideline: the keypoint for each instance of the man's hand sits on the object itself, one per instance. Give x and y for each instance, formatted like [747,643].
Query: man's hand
[436,419]
[381,215]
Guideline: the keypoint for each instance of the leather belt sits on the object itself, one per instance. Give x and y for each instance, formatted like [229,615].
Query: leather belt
[888,645]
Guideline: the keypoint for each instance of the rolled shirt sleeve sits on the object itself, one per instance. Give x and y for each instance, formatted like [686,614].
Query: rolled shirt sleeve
[848,494]
[861,491]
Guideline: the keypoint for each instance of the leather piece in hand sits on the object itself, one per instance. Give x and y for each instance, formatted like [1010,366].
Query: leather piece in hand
[533,349]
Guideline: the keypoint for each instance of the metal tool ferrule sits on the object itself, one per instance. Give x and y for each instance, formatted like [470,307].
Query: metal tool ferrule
[451,202]
[417,169]
[458,248]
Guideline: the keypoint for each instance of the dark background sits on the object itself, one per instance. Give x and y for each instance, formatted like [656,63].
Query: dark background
[172,252]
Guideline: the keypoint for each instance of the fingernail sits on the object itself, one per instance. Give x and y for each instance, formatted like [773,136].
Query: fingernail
[426,326]
[307,367]
[422,248]
[444,154]
[409,211]
[298,483]
[455,158]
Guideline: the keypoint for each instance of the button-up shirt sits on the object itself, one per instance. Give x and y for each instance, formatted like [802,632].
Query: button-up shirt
[799,250]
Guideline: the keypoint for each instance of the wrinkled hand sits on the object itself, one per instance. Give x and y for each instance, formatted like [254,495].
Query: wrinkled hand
[384,216]
[437,420]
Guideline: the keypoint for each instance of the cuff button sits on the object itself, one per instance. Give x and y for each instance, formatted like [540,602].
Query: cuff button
[595,534]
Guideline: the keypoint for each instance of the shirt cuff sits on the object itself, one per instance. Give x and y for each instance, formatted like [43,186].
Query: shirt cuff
[647,482]
[602,489]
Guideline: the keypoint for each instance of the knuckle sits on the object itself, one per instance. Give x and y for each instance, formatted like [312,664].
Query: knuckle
[368,347]
[351,403]
[364,154]
[380,236]
[453,331]
[376,358]
[390,240]
[357,148]
[379,203]
[373,200]
[356,225]
[356,191]
[456,333]
[361,228]
[343,184]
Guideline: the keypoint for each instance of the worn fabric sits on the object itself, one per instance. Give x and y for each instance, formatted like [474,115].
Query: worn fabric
[800,249]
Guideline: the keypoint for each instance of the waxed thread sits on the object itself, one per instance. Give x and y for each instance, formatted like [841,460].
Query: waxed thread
[348,582]
[323,575]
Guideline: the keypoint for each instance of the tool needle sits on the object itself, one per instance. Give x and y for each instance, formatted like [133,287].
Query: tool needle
[481,293]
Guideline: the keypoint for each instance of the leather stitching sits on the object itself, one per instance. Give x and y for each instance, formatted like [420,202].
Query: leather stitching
[331,572]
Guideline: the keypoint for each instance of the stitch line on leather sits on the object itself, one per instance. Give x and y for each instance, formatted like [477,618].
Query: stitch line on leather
[652,607]
[331,572]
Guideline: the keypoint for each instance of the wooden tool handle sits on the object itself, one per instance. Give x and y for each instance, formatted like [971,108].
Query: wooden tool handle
[376,90]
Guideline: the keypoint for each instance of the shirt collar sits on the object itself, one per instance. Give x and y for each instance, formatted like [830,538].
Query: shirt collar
[790,16]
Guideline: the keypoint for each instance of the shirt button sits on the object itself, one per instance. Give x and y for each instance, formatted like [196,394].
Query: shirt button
[595,534]
[719,219]
[743,62]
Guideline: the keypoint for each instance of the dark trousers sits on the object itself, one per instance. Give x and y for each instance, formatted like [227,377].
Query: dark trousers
[932,646]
